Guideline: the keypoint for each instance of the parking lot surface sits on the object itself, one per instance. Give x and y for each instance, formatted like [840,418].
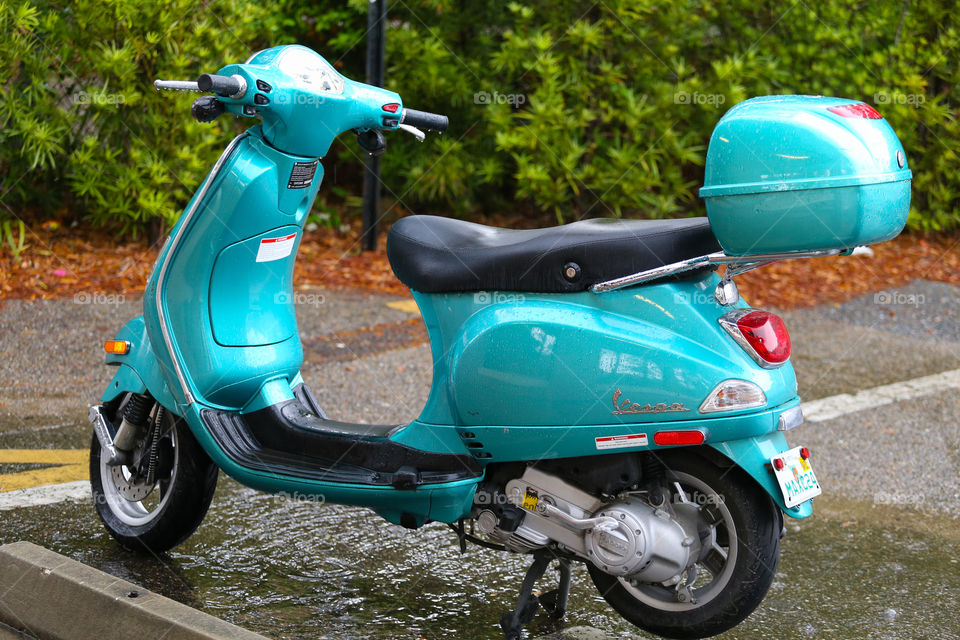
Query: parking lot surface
[879,558]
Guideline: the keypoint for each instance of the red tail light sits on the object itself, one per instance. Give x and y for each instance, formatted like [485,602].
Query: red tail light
[767,334]
[677,438]
[856,110]
[762,334]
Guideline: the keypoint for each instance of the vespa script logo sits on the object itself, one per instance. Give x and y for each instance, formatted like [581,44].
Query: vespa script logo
[626,407]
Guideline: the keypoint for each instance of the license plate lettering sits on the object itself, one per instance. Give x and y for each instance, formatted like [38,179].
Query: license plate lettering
[796,478]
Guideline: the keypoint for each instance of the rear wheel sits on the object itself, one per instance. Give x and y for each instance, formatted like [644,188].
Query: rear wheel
[159,499]
[737,531]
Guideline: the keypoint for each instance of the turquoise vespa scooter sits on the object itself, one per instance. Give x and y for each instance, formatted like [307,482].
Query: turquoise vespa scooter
[601,394]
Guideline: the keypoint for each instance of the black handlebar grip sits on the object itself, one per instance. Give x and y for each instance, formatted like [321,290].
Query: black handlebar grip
[425,120]
[221,85]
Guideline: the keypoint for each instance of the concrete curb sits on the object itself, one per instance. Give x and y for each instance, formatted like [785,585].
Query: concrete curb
[52,597]
[7,633]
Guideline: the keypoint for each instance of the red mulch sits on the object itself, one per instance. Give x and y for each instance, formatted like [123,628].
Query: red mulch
[64,263]
[792,284]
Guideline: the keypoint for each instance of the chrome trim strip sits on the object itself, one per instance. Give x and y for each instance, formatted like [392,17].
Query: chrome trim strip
[739,264]
[187,216]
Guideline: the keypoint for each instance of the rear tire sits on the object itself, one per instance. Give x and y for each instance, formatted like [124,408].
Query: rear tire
[751,525]
[155,517]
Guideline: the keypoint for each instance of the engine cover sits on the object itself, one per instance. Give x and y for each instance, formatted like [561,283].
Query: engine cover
[626,538]
[643,544]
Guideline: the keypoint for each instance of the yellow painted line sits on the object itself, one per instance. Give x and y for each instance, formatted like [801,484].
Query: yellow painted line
[71,465]
[44,456]
[410,306]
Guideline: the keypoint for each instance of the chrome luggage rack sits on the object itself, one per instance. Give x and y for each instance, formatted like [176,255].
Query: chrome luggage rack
[735,266]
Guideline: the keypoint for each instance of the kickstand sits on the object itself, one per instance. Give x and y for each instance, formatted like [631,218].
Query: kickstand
[554,602]
[527,604]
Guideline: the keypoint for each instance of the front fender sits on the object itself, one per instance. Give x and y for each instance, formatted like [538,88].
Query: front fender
[753,456]
[138,370]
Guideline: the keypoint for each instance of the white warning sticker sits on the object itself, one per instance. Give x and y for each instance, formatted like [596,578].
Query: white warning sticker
[619,442]
[275,248]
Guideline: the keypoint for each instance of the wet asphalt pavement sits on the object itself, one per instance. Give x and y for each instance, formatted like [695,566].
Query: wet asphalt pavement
[879,558]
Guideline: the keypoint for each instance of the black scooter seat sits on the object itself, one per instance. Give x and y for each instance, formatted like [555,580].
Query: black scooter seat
[431,254]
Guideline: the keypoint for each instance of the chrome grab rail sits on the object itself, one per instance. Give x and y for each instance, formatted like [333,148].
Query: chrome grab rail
[738,265]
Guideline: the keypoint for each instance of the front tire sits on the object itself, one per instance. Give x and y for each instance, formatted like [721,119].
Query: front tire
[739,527]
[155,516]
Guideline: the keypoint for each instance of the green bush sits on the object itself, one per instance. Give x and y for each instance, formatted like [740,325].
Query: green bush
[555,106]
[81,126]
[608,110]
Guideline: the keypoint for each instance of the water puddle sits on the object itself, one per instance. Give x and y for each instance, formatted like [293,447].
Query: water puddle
[301,570]
[43,432]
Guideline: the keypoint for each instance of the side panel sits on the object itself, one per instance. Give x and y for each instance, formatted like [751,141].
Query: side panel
[640,355]
[507,443]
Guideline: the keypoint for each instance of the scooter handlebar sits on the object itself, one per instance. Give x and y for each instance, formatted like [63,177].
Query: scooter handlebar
[425,120]
[229,86]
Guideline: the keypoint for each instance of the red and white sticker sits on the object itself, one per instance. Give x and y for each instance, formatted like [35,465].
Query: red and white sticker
[275,248]
[620,442]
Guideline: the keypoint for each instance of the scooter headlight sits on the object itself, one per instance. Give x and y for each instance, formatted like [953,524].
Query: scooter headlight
[732,395]
[310,70]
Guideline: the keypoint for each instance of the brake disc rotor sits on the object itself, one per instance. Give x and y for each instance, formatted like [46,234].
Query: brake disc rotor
[133,488]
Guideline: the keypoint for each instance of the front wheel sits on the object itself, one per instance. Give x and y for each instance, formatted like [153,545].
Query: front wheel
[738,530]
[156,502]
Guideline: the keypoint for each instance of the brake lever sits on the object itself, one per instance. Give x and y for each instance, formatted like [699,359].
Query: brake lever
[175,85]
[416,133]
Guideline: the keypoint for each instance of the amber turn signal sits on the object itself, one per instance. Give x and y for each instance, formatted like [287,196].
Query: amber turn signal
[117,347]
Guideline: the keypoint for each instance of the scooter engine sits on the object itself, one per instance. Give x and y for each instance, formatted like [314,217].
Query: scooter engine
[627,537]
[640,544]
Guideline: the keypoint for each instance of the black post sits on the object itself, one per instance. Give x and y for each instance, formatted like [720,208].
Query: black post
[376,40]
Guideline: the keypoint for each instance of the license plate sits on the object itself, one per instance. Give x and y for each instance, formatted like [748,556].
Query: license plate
[796,478]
